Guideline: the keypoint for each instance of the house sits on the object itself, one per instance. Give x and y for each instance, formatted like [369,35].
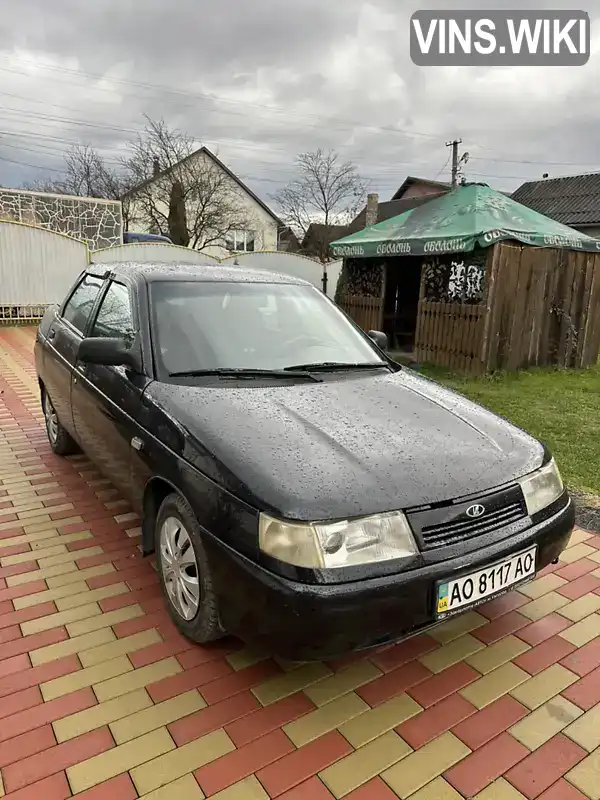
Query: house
[573,200]
[288,241]
[317,239]
[200,203]
[414,192]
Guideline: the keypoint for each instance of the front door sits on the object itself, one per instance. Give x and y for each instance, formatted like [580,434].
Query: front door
[62,343]
[106,400]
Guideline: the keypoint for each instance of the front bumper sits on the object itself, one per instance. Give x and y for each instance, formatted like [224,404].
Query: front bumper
[304,622]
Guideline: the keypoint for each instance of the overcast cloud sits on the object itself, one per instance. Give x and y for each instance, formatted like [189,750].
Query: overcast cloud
[259,81]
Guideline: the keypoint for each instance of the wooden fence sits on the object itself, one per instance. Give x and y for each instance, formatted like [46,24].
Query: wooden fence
[365,311]
[543,308]
[450,335]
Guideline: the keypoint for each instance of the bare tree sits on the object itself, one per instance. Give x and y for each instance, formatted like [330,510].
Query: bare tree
[181,192]
[86,174]
[327,190]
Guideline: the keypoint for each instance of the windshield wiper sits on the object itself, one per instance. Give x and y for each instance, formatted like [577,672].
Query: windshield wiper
[225,372]
[334,366]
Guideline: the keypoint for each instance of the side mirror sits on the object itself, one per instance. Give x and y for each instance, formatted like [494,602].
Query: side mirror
[108,352]
[380,339]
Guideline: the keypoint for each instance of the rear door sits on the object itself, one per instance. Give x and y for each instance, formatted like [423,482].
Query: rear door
[106,400]
[63,336]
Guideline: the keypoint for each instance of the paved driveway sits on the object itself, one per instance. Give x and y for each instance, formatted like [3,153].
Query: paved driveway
[101,698]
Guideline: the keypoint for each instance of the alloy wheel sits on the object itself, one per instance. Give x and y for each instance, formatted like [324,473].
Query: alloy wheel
[179,568]
[51,419]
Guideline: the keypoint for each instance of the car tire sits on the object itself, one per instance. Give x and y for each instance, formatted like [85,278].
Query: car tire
[179,554]
[61,442]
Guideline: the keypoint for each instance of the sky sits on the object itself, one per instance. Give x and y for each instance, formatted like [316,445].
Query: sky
[259,81]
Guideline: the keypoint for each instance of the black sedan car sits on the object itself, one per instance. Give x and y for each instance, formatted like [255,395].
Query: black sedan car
[300,489]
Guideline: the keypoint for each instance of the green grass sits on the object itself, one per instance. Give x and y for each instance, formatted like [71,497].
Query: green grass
[559,407]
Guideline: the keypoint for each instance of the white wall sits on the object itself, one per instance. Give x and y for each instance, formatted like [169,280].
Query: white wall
[37,266]
[149,252]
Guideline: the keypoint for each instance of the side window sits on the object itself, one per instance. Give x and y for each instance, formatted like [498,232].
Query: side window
[80,304]
[114,316]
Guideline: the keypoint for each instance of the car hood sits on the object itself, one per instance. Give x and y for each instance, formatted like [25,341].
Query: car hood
[352,445]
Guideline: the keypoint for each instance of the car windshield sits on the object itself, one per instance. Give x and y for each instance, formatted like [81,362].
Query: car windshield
[222,325]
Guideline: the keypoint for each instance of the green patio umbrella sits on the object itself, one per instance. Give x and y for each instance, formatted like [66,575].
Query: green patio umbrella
[472,215]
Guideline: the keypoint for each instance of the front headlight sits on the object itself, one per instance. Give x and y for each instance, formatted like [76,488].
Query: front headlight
[542,488]
[382,537]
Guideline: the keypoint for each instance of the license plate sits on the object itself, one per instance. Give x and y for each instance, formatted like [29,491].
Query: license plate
[476,587]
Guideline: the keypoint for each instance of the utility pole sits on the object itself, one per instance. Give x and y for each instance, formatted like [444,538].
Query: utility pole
[454,145]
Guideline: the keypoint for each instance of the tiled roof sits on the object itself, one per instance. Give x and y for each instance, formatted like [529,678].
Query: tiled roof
[574,200]
[389,209]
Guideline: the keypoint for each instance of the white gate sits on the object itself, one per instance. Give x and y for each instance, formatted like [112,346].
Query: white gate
[37,267]
[290,264]
[150,252]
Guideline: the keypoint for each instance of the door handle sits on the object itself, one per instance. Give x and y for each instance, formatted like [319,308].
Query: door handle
[51,333]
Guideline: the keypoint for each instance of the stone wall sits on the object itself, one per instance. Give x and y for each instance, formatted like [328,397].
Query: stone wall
[97,222]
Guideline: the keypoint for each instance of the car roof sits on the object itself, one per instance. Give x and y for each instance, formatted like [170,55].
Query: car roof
[157,271]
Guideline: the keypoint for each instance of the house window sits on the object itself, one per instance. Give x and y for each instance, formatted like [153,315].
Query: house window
[240,241]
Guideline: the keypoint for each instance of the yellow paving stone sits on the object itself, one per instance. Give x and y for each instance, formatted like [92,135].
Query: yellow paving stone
[58,687]
[451,653]
[577,552]
[585,731]
[500,790]
[364,764]
[325,719]
[119,647]
[185,788]
[583,632]
[68,647]
[595,557]
[291,682]
[581,608]
[69,555]
[191,756]
[342,682]
[119,759]
[248,789]
[123,684]
[377,721]
[586,775]
[20,508]
[542,687]
[425,764]
[496,654]
[157,716]
[36,506]
[458,626]
[91,596]
[579,536]
[41,574]
[541,725]
[49,595]
[1,786]
[246,657]
[543,585]
[104,620]
[74,575]
[98,716]
[74,615]
[287,665]
[439,789]
[494,685]
[543,606]
[62,523]
[22,558]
